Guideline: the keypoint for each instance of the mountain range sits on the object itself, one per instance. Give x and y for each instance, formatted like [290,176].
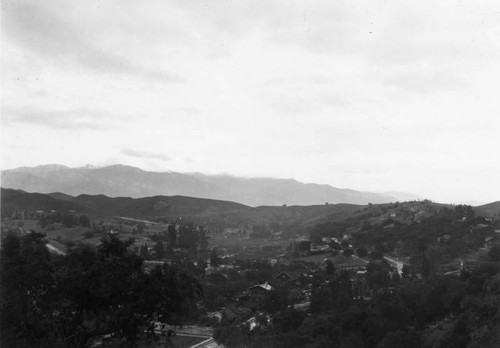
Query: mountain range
[127,181]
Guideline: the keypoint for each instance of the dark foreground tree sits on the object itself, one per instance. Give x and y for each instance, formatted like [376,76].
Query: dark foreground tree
[88,293]
[26,285]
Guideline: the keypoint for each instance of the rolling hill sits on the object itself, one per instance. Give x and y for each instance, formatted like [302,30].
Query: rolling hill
[199,210]
[12,200]
[102,205]
[489,210]
[126,181]
[172,207]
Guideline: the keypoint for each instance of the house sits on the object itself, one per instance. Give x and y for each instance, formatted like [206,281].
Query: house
[396,263]
[349,263]
[283,277]
[217,315]
[354,264]
[263,322]
[491,241]
[288,277]
[295,295]
[260,288]
[208,343]
[329,240]
[317,247]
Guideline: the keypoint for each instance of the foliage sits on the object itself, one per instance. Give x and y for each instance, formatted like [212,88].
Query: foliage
[214,259]
[494,253]
[67,300]
[436,311]
[328,229]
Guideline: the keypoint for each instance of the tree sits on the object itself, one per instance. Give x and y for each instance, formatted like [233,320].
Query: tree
[464,212]
[362,252]
[43,221]
[376,255]
[494,253]
[330,268]
[275,300]
[214,259]
[26,290]
[141,227]
[108,288]
[304,245]
[400,338]
[69,220]
[84,221]
[188,238]
[172,236]
[288,320]
[144,251]
[377,277]
[159,250]
[203,238]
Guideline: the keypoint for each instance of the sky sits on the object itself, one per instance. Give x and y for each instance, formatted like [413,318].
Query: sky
[368,95]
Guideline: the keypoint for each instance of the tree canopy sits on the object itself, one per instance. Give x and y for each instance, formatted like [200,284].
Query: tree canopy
[68,300]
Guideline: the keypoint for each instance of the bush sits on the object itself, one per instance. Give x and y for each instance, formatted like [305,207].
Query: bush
[494,254]
[88,234]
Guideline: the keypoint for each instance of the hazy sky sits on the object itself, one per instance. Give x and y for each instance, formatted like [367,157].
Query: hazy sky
[369,95]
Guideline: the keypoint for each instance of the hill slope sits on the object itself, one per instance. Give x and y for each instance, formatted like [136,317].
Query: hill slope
[156,206]
[126,181]
[171,207]
[489,210]
[177,206]
[12,200]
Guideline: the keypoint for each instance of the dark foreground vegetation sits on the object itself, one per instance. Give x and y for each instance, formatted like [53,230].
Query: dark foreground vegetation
[412,274]
[457,311]
[59,301]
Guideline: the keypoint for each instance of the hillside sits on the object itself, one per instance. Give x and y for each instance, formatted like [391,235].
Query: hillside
[489,210]
[126,181]
[176,206]
[157,206]
[12,200]
[172,207]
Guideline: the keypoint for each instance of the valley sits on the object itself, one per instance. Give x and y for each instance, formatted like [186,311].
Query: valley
[265,270]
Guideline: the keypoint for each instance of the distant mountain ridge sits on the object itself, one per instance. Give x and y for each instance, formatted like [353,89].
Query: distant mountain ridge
[127,181]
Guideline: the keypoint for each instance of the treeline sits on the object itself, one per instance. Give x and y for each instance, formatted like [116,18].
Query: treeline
[67,219]
[49,300]
[190,237]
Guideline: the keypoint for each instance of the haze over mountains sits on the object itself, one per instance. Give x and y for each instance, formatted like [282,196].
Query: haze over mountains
[127,181]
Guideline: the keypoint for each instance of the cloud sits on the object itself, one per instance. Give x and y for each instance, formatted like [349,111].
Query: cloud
[420,80]
[74,119]
[38,28]
[145,154]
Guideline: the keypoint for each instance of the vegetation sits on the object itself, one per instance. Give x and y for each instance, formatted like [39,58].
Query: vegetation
[68,300]
[268,286]
[441,311]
